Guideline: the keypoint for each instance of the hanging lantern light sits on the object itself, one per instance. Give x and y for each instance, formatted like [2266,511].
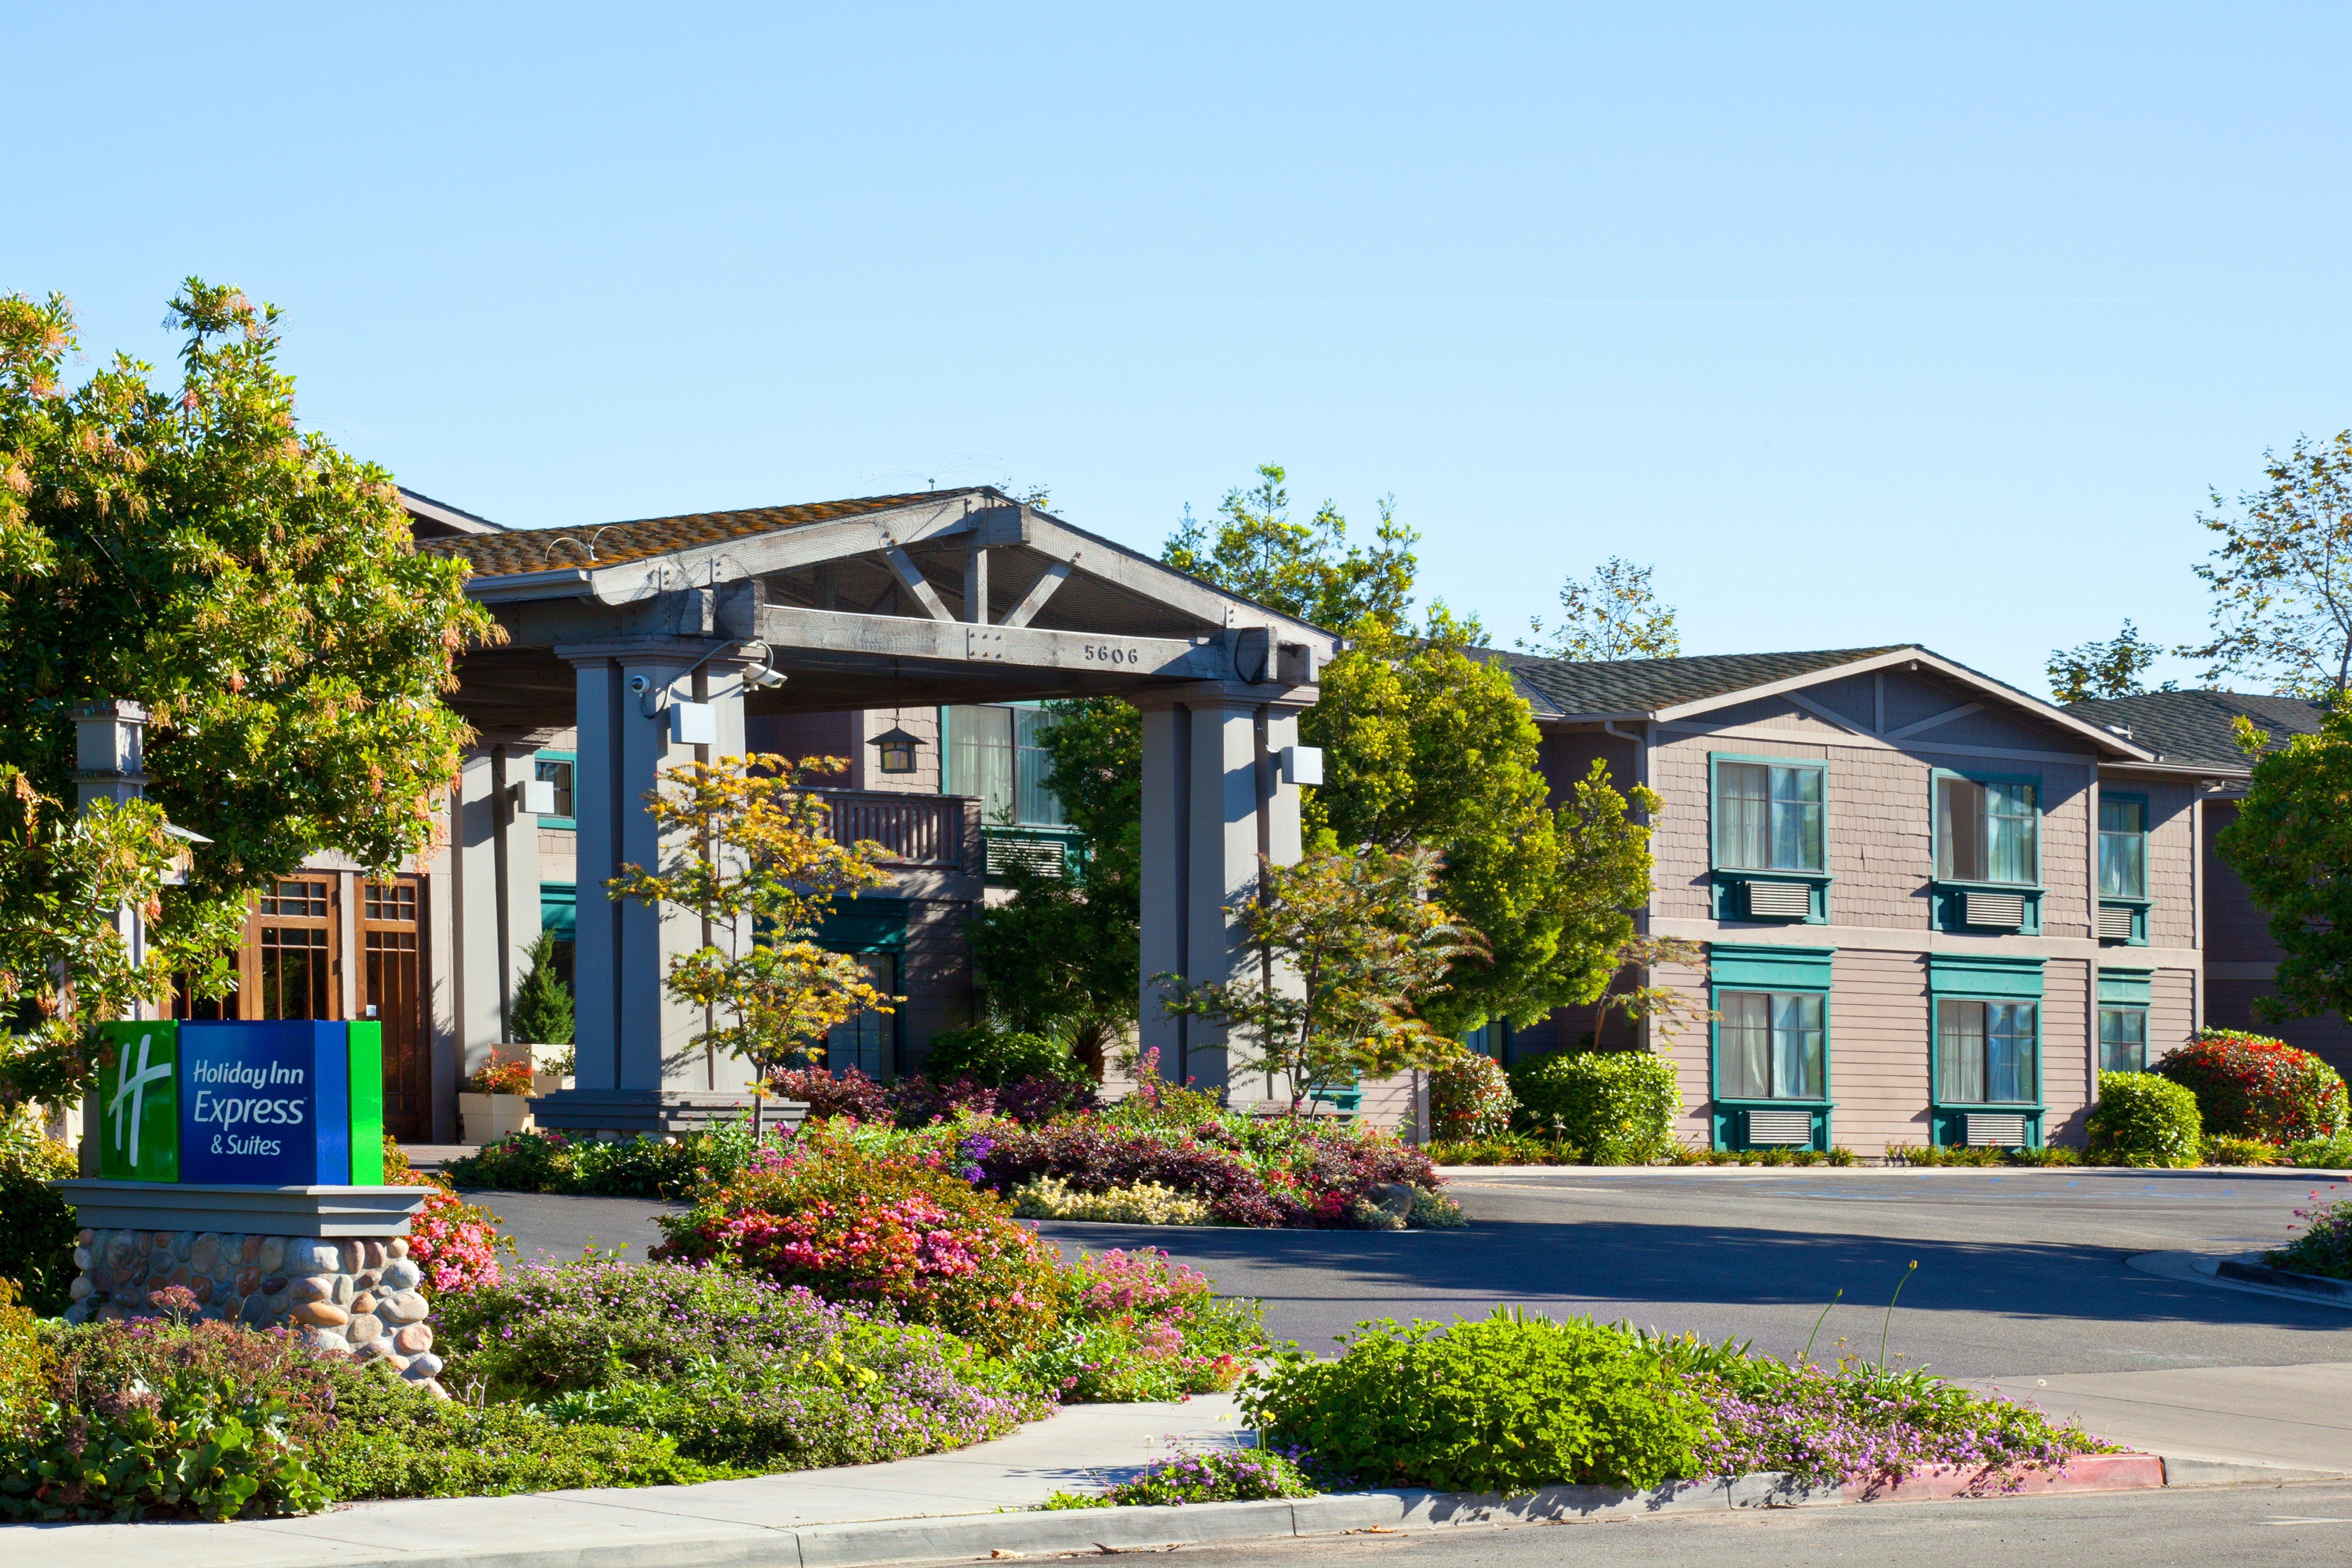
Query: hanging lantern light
[897,748]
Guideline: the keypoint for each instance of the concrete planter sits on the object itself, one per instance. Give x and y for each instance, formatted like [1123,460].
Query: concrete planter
[487,1117]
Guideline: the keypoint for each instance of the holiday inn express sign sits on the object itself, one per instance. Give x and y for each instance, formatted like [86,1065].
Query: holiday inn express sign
[285,1103]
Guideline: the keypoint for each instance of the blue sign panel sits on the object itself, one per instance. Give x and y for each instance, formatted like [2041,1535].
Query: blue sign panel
[264,1104]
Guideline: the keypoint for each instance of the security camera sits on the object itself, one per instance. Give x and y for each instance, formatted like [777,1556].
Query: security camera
[640,684]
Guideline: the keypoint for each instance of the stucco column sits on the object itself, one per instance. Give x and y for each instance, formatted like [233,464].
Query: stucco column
[1212,805]
[638,1068]
[479,990]
[516,836]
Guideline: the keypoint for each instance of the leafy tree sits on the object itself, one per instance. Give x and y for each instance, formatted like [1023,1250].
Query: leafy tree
[1614,614]
[748,851]
[1303,569]
[1060,957]
[2282,578]
[188,548]
[1366,943]
[1425,743]
[2292,845]
[2104,669]
[542,1004]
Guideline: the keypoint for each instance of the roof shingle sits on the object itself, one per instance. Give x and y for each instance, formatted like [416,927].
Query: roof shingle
[2199,726]
[1646,685]
[615,543]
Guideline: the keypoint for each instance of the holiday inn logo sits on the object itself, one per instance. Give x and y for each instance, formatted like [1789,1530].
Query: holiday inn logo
[139,1139]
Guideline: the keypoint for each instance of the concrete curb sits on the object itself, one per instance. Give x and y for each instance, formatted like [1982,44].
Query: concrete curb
[2249,1265]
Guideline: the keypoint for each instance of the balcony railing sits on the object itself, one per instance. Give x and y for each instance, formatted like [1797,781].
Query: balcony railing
[938,831]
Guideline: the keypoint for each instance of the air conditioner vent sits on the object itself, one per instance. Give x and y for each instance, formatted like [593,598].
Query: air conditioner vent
[1780,1127]
[2115,923]
[1995,1132]
[1997,911]
[1041,855]
[1780,900]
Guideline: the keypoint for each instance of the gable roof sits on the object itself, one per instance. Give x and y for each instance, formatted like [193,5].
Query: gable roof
[2199,726]
[1630,686]
[520,550]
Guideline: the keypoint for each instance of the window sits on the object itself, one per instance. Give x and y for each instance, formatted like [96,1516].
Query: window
[864,1042]
[998,754]
[1986,831]
[556,768]
[1985,1052]
[1769,1046]
[2122,1039]
[1768,817]
[2123,848]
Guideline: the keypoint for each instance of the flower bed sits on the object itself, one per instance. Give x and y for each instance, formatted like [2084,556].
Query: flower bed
[1135,1326]
[2325,1247]
[1516,1401]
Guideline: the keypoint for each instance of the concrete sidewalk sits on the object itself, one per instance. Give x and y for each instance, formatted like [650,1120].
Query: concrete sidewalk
[1082,1448]
[2295,1416]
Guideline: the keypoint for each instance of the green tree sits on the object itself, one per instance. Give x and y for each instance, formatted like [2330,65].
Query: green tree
[542,1004]
[1365,942]
[189,548]
[2104,669]
[1425,743]
[750,850]
[1304,569]
[1614,614]
[2291,846]
[2281,578]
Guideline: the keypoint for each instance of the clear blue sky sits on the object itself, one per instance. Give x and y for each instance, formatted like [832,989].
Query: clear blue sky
[1863,326]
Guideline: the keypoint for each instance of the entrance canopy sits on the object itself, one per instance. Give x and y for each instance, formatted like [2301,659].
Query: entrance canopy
[948,598]
[655,638]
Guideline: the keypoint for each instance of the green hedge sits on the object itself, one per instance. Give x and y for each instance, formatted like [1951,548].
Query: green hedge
[2144,1120]
[1619,1107]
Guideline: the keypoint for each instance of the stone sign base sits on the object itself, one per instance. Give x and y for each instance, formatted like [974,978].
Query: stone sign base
[357,1295]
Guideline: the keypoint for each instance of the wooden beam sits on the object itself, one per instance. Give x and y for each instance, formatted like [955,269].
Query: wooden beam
[975,586]
[1824,715]
[1936,721]
[910,577]
[786,627]
[1054,576]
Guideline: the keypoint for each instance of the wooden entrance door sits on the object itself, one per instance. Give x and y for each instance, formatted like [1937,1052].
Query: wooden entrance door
[389,993]
[288,965]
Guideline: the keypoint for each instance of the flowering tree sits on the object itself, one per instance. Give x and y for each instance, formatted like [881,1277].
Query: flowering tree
[1347,945]
[188,548]
[749,851]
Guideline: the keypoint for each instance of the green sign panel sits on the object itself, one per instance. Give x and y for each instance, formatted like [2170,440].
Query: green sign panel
[367,1103]
[138,1102]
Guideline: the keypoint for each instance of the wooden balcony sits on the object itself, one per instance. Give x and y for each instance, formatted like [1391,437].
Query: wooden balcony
[930,832]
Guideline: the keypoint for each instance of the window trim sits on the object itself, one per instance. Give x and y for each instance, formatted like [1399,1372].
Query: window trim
[1787,971]
[2140,906]
[2099,1045]
[1949,908]
[561,824]
[1729,897]
[1984,978]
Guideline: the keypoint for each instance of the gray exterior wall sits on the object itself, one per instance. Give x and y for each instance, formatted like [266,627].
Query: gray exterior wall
[2241,957]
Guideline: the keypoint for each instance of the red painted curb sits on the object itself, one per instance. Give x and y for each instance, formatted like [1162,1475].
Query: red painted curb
[2092,1473]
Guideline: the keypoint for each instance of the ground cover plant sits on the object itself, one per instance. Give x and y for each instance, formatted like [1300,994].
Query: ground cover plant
[1516,1401]
[2325,1247]
[1137,1326]
[2322,1154]
[1218,1475]
[2254,1087]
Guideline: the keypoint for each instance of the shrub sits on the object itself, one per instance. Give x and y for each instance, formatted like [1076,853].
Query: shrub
[1137,1326]
[852,1226]
[639,1167]
[2325,1247]
[2251,1086]
[23,1369]
[151,1420]
[543,1003]
[1619,1107]
[1470,1099]
[1030,1100]
[737,1370]
[1510,1149]
[501,1075]
[1694,1154]
[1147,1203]
[1157,1103]
[2323,1153]
[992,1058]
[2228,1150]
[1435,1211]
[848,1093]
[2144,1120]
[37,1227]
[1505,1404]
[1220,1475]
[455,1242]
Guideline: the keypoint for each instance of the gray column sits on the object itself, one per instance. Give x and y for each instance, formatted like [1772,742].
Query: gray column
[1212,805]
[480,992]
[516,838]
[595,953]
